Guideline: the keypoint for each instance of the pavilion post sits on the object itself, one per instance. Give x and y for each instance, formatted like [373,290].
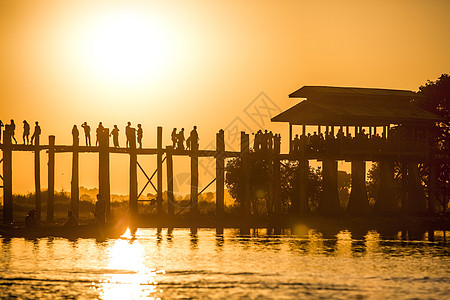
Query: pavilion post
[358,201]
[385,199]
[7,179]
[329,202]
[159,175]
[51,179]
[290,138]
[220,173]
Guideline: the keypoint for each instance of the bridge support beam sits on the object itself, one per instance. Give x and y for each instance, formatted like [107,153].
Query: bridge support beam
[159,175]
[194,176]
[385,198]
[329,202]
[74,185]
[37,178]
[103,170]
[276,171]
[245,156]
[417,202]
[51,179]
[220,173]
[132,201]
[7,179]
[170,197]
[358,201]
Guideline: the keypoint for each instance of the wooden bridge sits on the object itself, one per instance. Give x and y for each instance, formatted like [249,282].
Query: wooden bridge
[410,151]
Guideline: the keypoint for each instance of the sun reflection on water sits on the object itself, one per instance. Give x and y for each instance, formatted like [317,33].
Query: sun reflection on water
[127,277]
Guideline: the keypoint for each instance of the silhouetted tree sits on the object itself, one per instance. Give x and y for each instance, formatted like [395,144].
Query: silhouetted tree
[259,181]
[437,100]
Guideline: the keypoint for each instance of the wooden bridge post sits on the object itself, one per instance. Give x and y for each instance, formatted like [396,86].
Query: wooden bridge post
[329,202]
[103,172]
[51,179]
[7,179]
[170,197]
[358,201]
[417,203]
[302,182]
[74,185]
[159,174]
[385,201]
[276,181]
[220,173]
[37,177]
[132,201]
[194,176]
[245,156]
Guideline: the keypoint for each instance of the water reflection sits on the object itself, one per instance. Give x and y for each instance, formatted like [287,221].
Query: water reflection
[127,277]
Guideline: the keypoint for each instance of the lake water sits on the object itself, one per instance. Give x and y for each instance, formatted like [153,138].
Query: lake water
[182,264]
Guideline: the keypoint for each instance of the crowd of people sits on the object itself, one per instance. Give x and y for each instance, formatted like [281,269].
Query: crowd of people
[133,135]
[265,141]
[178,139]
[11,129]
[318,142]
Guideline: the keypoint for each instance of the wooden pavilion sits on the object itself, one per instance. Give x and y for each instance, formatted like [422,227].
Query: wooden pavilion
[387,127]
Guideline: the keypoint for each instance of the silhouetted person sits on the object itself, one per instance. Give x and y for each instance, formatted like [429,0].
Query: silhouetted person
[129,133]
[71,220]
[100,210]
[30,220]
[75,135]
[270,140]
[115,134]
[139,135]
[12,128]
[296,144]
[188,143]
[1,129]
[98,132]
[174,138]
[87,133]
[180,139]
[26,132]
[258,140]
[193,138]
[36,134]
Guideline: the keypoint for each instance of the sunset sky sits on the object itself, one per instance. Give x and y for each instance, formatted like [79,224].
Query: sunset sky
[185,63]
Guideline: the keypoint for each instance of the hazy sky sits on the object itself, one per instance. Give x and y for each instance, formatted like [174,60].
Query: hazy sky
[204,63]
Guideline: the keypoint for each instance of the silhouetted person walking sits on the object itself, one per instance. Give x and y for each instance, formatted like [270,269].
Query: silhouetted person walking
[26,132]
[115,135]
[75,135]
[180,139]
[87,133]
[174,138]
[139,135]
[128,133]
[36,134]
[12,128]
[98,132]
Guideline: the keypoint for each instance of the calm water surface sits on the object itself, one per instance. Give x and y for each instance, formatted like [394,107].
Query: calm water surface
[182,264]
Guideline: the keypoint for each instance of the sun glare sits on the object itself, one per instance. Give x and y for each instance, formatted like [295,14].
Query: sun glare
[128,47]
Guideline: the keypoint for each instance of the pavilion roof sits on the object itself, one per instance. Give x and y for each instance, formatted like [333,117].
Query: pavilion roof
[325,105]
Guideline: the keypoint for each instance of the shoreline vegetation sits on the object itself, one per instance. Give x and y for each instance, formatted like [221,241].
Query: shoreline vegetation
[387,224]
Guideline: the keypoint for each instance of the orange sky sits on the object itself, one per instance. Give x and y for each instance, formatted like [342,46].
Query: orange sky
[185,63]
